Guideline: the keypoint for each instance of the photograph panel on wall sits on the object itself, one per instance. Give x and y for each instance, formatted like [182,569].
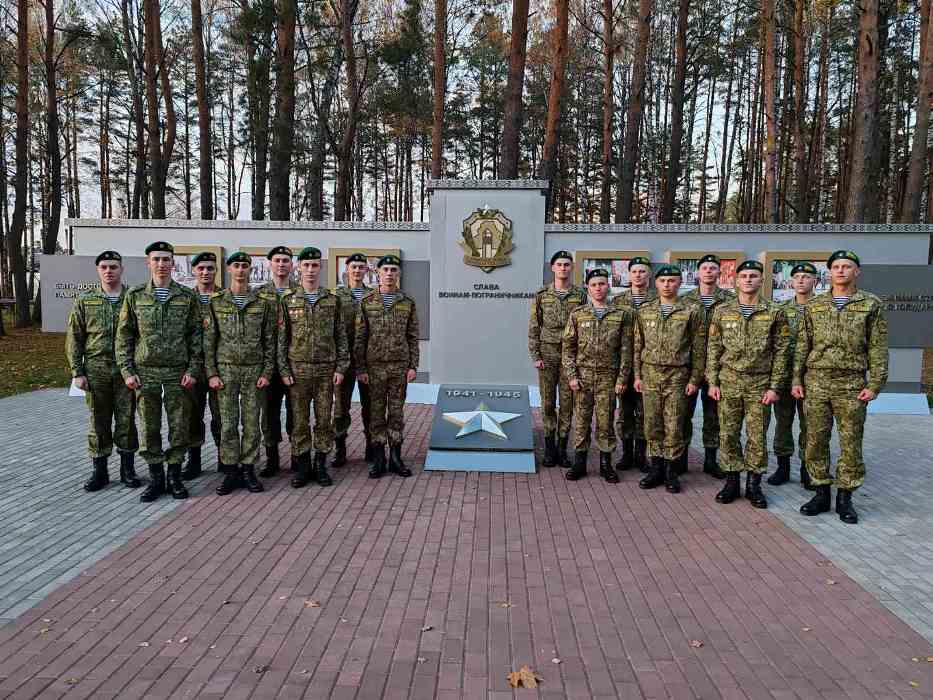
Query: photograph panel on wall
[689,263]
[260,270]
[337,264]
[615,262]
[778,265]
[183,273]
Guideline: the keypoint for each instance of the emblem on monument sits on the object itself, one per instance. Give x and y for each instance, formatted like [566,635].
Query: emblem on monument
[487,239]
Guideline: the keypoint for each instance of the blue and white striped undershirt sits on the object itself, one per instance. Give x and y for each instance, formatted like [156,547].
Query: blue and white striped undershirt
[562,293]
[281,290]
[707,299]
[747,309]
[161,294]
[357,293]
[666,309]
[638,299]
[840,302]
[205,297]
[239,300]
[112,298]
[601,312]
[388,300]
[311,297]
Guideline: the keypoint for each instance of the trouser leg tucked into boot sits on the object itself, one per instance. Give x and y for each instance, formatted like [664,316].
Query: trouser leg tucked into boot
[844,508]
[396,465]
[782,473]
[175,484]
[671,481]
[272,462]
[156,485]
[711,464]
[562,458]
[100,477]
[681,465]
[233,479]
[578,469]
[378,465]
[627,461]
[340,452]
[301,471]
[730,490]
[606,469]
[753,491]
[805,477]
[369,450]
[550,452]
[253,485]
[820,503]
[655,475]
[128,471]
[320,469]
[193,467]
[641,451]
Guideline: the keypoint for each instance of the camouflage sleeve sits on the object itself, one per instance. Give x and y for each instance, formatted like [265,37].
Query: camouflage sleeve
[411,333]
[877,350]
[780,363]
[360,341]
[698,352]
[194,331]
[282,333]
[211,336]
[802,347]
[534,331]
[125,344]
[638,344]
[714,349]
[625,349]
[270,339]
[569,348]
[340,338]
[75,338]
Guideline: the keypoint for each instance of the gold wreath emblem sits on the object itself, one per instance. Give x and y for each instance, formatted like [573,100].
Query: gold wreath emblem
[487,239]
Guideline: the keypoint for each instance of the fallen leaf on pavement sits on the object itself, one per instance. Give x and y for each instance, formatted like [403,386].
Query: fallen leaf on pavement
[143,644]
[555,660]
[312,604]
[421,659]
[427,628]
[260,669]
[504,604]
[830,582]
[523,678]
[914,684]
[182,640]
[806,629]
[72,681]
[696,643]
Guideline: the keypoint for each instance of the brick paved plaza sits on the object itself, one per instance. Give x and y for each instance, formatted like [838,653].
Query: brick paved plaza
[438,586]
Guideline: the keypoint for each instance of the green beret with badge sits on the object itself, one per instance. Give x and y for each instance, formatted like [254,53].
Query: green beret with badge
[238,256]
[596,272]
[709,258]
[108,255]
[279,250]
[750,265]
[309,253]
[561,255]
[808,268]
[206,256]
[668,271]
[389,260]
[357,258]
[639,260]
[843,255]
[160,247]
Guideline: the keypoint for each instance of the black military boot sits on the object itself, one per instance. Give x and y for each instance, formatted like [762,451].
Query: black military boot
[340,452]
[820,503]
[396,465]
[192,469]
[627,461]
[671,482]
[782,473]
[378,465]
[606,469]
[753,491]
[253,485]
[320,469]
[656,474]
[681,465]
[562,458]
[128,471]
[301,470]
[550,452]
[175,484]
[711,464]
[100,477]
[233,479]
[272,463]
[731,489]
[805,477]
[641,458]
[578,469]
[156,485]
[369,450]
[844,508]
[221,467]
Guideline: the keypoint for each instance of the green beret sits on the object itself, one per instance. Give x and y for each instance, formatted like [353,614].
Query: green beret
[843,255]
[108,255]
[639,260]
[809,268]
[203,257]
[596,272]
[309,253]
[561,254]
[389,260]
[280,250]
[357,257]
[750,265]
[160,247]
[709,257]
[668,271]
[238,256]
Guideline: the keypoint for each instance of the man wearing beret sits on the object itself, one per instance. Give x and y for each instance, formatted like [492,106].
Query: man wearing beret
[351,294]
[803,279]
[840,364]
[280,267]
[89,347]
[159,353]
[550,311]
[204,266]
[630,423]
[386,354]
[239,359]
[597,359]
[313,358]
[669,360]
[746,370]
[707,296]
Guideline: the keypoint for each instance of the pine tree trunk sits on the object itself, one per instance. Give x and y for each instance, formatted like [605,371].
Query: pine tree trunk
[548,165]
[353,94]
[605,194]
[865,112]
[440,88]
[672,176]
[512,119]
[770,112]
[18,225]
[52,126]
[910,213]
[634,112]
[319,144]
[205,152]
[283,122]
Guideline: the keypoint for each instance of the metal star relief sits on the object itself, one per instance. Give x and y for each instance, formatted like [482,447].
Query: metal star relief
[481,420]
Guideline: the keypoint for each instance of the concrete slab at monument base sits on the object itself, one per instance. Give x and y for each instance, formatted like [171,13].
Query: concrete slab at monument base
[467,461]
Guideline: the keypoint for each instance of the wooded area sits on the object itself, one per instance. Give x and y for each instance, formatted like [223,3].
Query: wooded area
[635,110]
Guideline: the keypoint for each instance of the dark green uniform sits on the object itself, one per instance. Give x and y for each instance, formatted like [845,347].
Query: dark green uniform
[343,395]
[630,422]
[276,394]
[787,405]
[202,397]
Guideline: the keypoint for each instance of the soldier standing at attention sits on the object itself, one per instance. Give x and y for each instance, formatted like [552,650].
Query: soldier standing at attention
[205,273]
[630,423]
[550,311]
[239,359]
[159,353]
[386,355]
[313,358]
[842,336]
[803,278]
[280,265]
[350,296]
[89,348]
[597,358]
[746,370]
[707,296]
[669,360]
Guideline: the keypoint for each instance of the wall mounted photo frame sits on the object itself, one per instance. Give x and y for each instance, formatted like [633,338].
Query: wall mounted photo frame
[260,271]
[337,264]
[183,272]
[688,261]
[614,261]
[779,263]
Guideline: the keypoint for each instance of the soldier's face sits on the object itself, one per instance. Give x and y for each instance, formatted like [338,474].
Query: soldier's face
[281,265]
[204,273]
[356,271]
[708,273]
[638,276]
[310,271]
[388,276]
[161,264]
[110,272]
[668,285]
[803,283]
[239,271]
[562,269]
[598,288]
[844,272]
[749,281]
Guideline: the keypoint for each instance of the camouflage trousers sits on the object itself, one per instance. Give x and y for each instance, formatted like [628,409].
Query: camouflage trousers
[553,384]
[710,418]
[830,396]
[177,401]
[343,397]
[201,398]
[388,387]
[665,407]
[784,411]
[741,403]
[271,412]
[240,404]
[597,390]
[630,422]
[112,410]
[313,388]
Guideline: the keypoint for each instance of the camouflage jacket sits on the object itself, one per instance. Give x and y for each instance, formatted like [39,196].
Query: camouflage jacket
[153,334]
[350,309]
[676,341]
[852,340]
[312,334]
[759,345]
[92,331]
[549,315]
[601,345]
[793,315]
[386,335]
[235,336]
[721,296]
[624,300]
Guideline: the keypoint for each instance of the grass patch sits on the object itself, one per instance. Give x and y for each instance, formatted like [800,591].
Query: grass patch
[30,360]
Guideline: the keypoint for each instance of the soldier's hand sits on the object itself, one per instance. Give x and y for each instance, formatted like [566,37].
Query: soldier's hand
[338,379]
[132,382]
[796,391]
[262,382]
[574,384]
[637,385]
[288,381]
[362,377]
[714,392]
[187,381]
[866,395]
[770,397]
[81,383]
[411,375]
[215,383]
[539,364]
[620,388]
[691,389]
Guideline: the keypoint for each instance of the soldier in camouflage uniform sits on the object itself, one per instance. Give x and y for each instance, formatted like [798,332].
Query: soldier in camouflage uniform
[803,277]
[550,311]
[843,336]
[746,370]
[597,359]
[204,266]
[386,355]
[669,360]
[89,347]
[159,353]
[707,296]
[630,422]
[313,358]
[239,359]
[351,294]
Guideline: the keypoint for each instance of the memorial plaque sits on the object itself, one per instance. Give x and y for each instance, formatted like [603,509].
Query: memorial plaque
[482,427]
